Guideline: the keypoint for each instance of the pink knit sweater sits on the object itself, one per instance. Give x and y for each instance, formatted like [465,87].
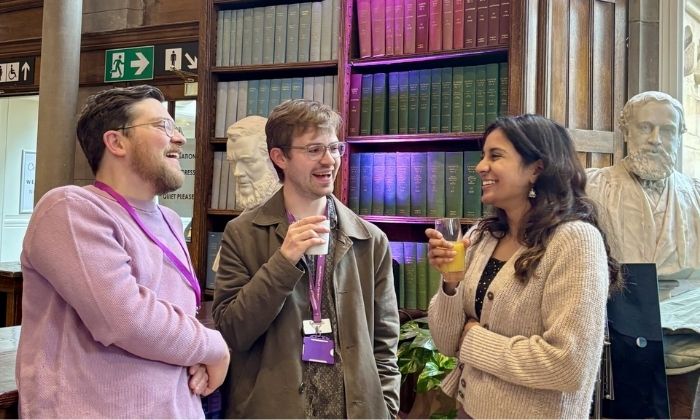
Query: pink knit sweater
[109,323]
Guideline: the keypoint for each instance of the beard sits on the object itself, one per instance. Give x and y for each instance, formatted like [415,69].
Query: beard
[650,166]
[262,190]
[164,178]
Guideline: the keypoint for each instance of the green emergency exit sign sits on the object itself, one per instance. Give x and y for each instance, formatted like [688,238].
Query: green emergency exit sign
[126,64]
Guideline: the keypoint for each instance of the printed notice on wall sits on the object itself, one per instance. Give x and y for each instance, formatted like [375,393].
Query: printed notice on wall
[26,191]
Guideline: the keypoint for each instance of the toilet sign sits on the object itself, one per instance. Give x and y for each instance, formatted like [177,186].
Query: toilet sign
[181,57]
[17,70]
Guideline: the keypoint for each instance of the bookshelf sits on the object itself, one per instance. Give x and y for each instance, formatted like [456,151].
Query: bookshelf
[240,45]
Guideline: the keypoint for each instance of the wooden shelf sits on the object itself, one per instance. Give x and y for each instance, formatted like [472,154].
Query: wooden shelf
[217,212]
[409,138]
[218,140]
[411,220]
[497,53]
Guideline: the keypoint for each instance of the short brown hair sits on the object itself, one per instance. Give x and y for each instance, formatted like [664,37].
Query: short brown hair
[295,117]
[108,110]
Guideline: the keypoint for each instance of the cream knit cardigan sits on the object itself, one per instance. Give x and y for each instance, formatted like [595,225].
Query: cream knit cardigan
[537,349]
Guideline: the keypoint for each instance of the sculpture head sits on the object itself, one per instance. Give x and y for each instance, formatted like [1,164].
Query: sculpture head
[246,148]
[652,124]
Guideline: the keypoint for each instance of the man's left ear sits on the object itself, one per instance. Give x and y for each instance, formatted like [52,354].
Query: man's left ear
[277,156]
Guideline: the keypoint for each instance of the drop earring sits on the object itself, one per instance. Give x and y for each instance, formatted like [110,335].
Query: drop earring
[532,193]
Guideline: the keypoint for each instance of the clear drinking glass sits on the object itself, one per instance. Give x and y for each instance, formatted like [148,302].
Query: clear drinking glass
[451,231]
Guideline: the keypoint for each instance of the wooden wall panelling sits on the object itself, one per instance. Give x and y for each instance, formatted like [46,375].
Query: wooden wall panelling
[620,73]
[20,23]
[603,117]
[159,12]
[554,105]
[579,78]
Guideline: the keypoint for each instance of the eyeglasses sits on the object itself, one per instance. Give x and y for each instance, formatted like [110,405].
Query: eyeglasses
[317,151]
[166,125]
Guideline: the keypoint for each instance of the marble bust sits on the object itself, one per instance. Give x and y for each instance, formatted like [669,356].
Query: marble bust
[649,210]
[246,148]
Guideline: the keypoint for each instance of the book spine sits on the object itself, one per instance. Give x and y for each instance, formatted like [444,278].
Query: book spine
[354,182]
[494,22]
[247,58]
[221,102]
[398,26]
[275,93]
[472,185]
[482,22]
[355,95]
[409,35]
[504,24]
[231,101]
[237,41]
[264,98]
[213,245]
[396,249]
[422,275]
[480,98]
[366,184]
[335,27]
[379,100]
[447,24]
[242,109]
[419,185]
[446,101]
[315,33]
[390,184]
[252,104]
[285,90]
[403,184]
[422,25]
[293,33]
[364,25]
[503,89]
[492,82]
[457,99]
[258,27]
[326,38]
[424,101]
[436,184]
[403,102]
[413,100]
[435,99]
[297,87]
[435,25]
[281,12]
[223,28]
[378,176]
[216,180]
[454,185]
[389,30]
[458,28]
[469,99]
[366,105]
[470,23]
[319,83]
[268,50]
[378,28]
[411,282]
[304,31]
[393,103]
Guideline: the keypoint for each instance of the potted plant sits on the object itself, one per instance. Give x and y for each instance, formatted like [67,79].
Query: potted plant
[422,368]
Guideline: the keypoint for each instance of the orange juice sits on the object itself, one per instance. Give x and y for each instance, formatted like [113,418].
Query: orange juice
[457,264]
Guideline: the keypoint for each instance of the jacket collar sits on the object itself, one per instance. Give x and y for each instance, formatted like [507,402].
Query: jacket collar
[272,212]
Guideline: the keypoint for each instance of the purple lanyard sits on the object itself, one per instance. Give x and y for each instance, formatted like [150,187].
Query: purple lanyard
[316,287]
[186,272]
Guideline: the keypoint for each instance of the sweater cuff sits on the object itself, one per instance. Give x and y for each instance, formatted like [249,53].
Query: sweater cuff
[215,347]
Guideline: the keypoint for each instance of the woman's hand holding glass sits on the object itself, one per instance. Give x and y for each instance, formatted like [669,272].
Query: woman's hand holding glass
[446,251]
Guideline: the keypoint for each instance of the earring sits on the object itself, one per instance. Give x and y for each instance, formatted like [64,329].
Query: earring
[532,193]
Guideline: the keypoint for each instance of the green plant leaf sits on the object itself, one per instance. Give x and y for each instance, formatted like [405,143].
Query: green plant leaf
[452,414]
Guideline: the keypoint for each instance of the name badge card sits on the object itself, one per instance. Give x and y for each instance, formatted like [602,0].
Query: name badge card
[318,350]
[310,327]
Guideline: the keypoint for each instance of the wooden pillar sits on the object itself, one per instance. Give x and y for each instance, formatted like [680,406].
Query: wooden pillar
[58,94]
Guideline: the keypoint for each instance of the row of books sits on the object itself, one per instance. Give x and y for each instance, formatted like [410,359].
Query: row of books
[415,184]
[236,100]
[439,100]
[213,245]
[395,27]
[223,184]
[417,280]
[285,33]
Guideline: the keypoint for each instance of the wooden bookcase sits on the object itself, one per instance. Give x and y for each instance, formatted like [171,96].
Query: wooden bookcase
[397,228]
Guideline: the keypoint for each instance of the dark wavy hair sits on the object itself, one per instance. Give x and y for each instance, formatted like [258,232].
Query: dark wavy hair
[560,189]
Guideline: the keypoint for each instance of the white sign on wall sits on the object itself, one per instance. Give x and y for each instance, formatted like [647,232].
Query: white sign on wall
[26,190]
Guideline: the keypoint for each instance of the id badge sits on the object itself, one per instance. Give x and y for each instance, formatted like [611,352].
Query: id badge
[317,350]
[310,327]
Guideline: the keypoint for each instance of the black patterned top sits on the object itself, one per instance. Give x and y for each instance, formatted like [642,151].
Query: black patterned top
[493,266]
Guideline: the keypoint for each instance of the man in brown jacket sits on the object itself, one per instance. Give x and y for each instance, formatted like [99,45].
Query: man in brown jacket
[312,336]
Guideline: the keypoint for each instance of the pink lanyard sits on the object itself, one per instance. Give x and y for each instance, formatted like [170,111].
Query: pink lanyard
[186,272]
[315,287]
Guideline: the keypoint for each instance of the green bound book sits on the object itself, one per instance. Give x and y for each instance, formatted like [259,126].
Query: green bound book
[480,98]
[366,105]
[403,102]
[423,101]
[457,99]
[492,82]
[411,274]
[379,102]
[366,173]
[264,98]
[275,93]
[403,184]
[436,184]
[304,31]
[472,185]
[268,44]
[468,101]
[258,27]
[354,183]
[280,48]
[393,103]
[454,186]
[378,175]
[390,184]
[396,249]
[252,105]
[503,89]
[293,33]
[419,184]
[422,275]
[446,101]
[247,58]
[285,90]
[435,99]
[297,87]
[413,100]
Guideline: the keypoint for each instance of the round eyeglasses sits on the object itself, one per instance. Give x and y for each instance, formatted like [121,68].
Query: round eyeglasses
[166,125]
[316,151]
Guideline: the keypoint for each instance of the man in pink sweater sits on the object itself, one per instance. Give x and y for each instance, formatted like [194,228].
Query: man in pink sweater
[109,327]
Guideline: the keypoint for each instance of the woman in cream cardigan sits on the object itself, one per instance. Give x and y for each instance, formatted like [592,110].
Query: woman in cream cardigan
[527,317]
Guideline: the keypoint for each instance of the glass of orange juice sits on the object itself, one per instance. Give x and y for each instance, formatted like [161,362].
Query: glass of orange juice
[451,231]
